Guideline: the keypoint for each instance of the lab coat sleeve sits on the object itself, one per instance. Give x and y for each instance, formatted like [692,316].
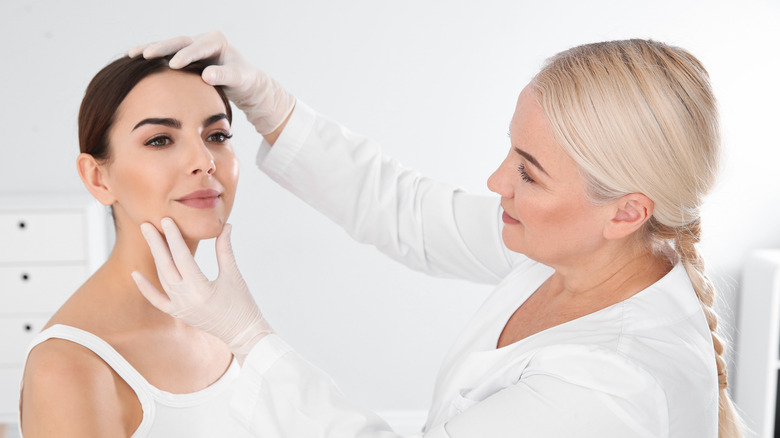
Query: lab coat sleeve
[427,225]
[593,394]
[279,394]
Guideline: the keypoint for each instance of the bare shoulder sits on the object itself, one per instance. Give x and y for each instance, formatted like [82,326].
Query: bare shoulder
[70,391]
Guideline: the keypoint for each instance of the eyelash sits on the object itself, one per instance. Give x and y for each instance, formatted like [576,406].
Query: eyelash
[222,134]
[524,174]
[168,140]
[153,140]
[521,167]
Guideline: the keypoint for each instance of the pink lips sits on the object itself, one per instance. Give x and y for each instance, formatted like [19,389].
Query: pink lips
[509,220]
[201,199]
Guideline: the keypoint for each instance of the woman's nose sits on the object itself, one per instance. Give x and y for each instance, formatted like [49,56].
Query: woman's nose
[212,168]
[500,182]
[202,160]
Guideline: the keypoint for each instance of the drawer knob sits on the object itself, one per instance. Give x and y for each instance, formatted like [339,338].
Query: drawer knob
[28,327]
[25,276]
[22,225]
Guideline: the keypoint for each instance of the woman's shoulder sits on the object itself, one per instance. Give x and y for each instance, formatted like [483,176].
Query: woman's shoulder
[670,299]
[63,380]
[597,367]
[667,319]
[61,362]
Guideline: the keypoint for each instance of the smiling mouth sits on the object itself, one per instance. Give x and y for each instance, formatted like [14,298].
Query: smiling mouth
[201,199]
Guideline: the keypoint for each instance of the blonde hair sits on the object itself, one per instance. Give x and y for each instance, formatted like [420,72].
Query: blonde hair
[639,116]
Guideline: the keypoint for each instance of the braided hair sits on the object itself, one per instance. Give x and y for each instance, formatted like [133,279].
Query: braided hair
[639,116]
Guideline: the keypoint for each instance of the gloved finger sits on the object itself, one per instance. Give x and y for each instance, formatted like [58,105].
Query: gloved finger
[226,262]
[221,75]
[182,257]
[154,296]
[135,51]
[166,268]
[159,48]
[167,47]
[211,45]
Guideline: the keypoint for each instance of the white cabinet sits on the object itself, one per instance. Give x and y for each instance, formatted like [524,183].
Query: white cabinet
[49,245]
[758,346]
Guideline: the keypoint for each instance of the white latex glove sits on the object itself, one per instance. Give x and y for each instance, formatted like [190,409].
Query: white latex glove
[263,100]
[223,307]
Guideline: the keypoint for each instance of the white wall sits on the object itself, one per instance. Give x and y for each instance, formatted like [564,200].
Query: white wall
[435,82]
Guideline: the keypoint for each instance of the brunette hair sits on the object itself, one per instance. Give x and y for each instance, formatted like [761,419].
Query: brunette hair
[639,116]
[109,88]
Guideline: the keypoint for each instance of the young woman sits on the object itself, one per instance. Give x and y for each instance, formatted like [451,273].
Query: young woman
[601,324]
[154,143]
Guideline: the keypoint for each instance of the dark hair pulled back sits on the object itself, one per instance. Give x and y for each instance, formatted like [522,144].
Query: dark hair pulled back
[109,88]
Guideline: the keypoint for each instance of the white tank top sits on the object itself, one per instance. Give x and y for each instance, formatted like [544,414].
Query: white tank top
[205,413]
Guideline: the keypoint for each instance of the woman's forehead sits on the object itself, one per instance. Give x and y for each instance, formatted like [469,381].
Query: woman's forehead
[170,94]
[529,130]
[530,133]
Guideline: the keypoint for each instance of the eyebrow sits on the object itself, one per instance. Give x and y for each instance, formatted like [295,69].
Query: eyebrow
[173,123]
[214,119]
[530,159]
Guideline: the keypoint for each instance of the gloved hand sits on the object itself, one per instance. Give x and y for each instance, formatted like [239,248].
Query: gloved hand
[263,100]
[223,307]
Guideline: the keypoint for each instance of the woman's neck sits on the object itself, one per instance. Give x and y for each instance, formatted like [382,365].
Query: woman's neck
[611,275]
[131,253]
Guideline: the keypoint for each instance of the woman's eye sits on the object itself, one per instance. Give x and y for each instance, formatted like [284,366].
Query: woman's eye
[219,137]
[524,174]
[159,141]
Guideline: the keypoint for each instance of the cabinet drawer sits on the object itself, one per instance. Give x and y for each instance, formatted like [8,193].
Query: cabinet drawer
[42,236]
[38,289]
[9,392]
[15,335]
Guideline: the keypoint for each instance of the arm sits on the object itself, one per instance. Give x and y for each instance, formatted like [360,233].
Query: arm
[584,394]
[313,405]
[425,224]
[70,392]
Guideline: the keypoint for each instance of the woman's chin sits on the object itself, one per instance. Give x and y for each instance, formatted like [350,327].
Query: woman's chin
[201,231]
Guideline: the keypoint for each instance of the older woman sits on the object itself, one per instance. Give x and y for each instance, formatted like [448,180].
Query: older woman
[601,323]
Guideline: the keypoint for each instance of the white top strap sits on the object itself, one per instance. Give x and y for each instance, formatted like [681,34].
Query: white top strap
[112,357]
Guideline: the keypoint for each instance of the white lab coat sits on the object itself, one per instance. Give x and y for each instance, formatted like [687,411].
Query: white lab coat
[644,367]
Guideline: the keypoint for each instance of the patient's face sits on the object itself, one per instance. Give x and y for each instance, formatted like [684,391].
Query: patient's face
[171,156]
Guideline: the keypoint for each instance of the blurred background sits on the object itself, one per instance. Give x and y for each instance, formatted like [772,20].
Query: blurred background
[435,82]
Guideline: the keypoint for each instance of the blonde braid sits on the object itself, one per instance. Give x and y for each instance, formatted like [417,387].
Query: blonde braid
[685,240]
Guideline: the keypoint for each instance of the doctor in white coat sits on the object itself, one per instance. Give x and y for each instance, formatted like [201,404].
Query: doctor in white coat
[601,323]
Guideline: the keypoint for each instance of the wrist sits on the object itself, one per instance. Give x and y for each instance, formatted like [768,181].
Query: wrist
[243,343]
[242,352]
[272,136]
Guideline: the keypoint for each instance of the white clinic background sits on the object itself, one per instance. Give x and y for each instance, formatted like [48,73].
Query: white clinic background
[435,82]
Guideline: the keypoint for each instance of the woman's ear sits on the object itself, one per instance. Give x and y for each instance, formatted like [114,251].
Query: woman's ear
[629,214]
[92,175]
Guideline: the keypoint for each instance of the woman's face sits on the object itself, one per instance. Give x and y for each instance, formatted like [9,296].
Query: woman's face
[170,155]
[547,215]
